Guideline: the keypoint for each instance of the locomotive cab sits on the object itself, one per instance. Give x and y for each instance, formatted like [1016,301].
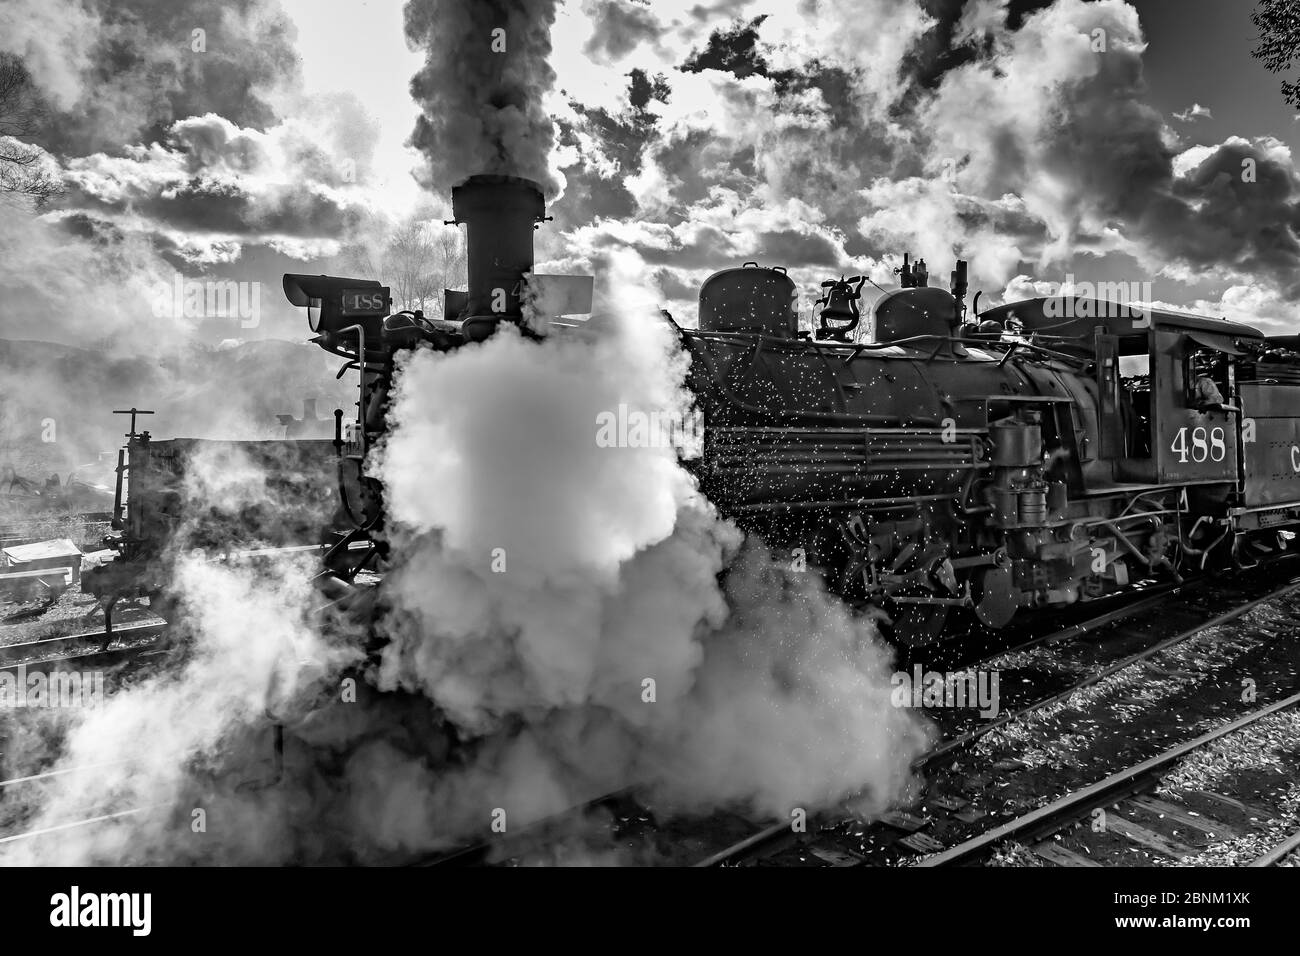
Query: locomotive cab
[1124,392]
[1163,387]
[1196,424]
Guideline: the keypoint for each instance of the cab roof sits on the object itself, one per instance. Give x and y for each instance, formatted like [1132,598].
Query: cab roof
[1074,316]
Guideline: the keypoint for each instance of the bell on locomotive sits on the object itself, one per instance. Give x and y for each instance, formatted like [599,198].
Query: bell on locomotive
[840,314]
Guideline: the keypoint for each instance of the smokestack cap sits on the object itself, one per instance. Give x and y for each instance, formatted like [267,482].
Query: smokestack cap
[494,194]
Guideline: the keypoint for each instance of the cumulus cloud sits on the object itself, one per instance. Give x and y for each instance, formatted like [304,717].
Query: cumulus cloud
[1193,113]
[213,185]
[115,71]
[56,43]
[1015,134]
[185,144]
[1055,115]
[618,28]
[826,136]
[1251,303]
[1233,209]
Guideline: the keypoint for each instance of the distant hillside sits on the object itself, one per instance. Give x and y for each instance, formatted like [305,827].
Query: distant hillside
[68,394]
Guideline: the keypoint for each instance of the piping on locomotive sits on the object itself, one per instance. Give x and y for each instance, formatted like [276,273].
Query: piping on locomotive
[1042,453]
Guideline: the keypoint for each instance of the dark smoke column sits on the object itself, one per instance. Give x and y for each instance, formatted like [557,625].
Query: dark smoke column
[481,89]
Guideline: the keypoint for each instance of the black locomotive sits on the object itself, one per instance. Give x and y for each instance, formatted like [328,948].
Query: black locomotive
[1037,454]
[1056,450]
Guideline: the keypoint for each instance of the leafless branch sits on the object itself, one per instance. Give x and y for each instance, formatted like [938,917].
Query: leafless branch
[22,171]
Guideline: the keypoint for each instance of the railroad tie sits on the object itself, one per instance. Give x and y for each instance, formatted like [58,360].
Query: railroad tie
[1209,826]
[1258,813]
[1060,856]
[1148,838]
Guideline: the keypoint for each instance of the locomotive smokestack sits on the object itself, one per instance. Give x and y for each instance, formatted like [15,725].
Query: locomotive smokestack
[499,213]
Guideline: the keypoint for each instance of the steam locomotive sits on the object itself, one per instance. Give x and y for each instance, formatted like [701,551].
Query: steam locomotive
[1036,454]
[1056,450]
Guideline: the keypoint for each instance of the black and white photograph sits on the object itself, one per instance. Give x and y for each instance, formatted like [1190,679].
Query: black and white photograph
[651,434]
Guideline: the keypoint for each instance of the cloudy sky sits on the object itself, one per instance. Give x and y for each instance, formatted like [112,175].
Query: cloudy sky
[1103,139]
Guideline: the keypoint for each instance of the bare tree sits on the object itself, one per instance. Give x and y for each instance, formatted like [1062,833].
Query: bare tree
[417,262]
[410,266]
[358,260]
[451,246]
[22,168]
[1278,22]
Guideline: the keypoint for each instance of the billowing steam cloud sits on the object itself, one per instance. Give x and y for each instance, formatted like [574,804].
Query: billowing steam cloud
[552,577]
[482,89]
[557,620]
[196,736]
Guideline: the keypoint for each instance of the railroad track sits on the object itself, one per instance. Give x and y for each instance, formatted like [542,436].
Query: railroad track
[31,529]
[82,648]
[776,837]
[1156,604]
[761,840]
[85,649]
[1138,815]
[481,851]
[1280,852]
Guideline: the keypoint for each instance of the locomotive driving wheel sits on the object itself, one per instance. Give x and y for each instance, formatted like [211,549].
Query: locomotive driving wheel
[926,585]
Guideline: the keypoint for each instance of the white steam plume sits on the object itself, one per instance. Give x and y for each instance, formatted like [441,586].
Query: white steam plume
[549,578]
[521,689]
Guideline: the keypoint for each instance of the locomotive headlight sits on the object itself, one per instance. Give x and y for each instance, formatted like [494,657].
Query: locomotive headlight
[335,302]
[313,314]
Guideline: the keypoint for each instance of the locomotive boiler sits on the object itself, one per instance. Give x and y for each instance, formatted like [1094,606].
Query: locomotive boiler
[1039,454]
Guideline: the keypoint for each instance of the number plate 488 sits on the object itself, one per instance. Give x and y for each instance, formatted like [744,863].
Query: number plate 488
[1199,444]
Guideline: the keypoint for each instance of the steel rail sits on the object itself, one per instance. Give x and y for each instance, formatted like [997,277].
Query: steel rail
[948,748]
[28,654]
[1275,856]
[1058,814]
